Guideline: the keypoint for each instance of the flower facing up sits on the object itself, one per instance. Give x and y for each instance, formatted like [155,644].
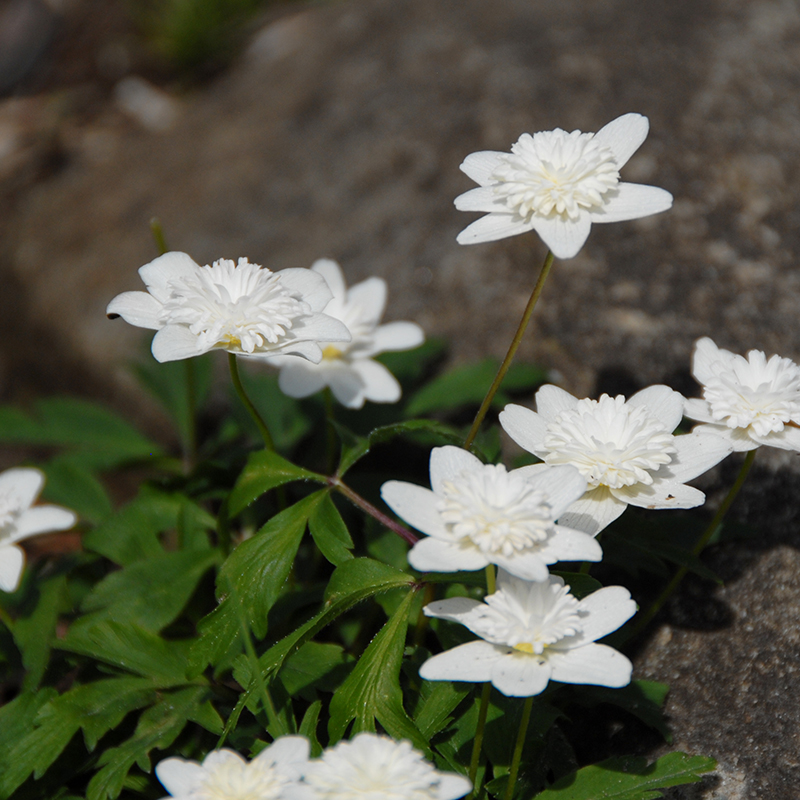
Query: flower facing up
[19,519]
[479,514]
[349,369]
[532,632]
[558,184]
[241,308]
[625,450]
[749,401]
[225,775]
[372,767]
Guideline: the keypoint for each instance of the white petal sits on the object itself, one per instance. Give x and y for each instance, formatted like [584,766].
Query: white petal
[332,273]
[320,328]
[300,378]
[136,308]
[632,201]
[369,297]
[174,342]
[223,758]
[563,484]
[663,494]
[287,751]
[661,402]
[480,166]
[525,427]
[452,786]
[571,545]
[529,566]
[169,267]
[596,510]
[347,386]
[472,661]
[437,555]
[737,438]
[493,227]
[380,386]
[478,617]
[484,198]
[563,236]
[395,336]
[608,609]
[698,409]
[787,439]
[12,560]
[552,400]
[624,135]
[179,777]
[448,462]
[520,675]
[696,454]
[706,354]
[23,484]
[416,505]
[43,519]
[595,664]
[311,285]
[308,350]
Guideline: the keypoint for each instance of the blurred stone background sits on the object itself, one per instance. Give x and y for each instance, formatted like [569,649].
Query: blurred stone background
[338,130]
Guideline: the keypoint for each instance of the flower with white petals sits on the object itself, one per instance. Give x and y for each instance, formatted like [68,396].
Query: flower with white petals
[349,369]
[558,184]
[749,401]
[479,514]
[373,767]
[241,308]
[534,632]
[625,450]
[225,775]
[19,519]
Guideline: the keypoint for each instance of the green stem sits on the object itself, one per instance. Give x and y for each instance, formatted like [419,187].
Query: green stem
[158,235]
[190,445]
[477,743]
[248,404]
[490,579]
[651,612]
[523,729]
[515,343]
[330,441]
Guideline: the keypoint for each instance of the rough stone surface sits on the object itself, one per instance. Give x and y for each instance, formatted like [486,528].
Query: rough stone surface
[340,132]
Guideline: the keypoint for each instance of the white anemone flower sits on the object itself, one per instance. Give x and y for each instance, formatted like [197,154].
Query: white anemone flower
[373,767]
[349,369]
[20,519]
[749,401]
[625,450]
[534,632]
[241,308]
[558,184]
[225,775]
[477,514]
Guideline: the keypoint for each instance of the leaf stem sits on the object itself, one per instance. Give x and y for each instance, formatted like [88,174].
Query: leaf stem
[477,742]
[248,404]
[515,761]
[657,605]
[515,343]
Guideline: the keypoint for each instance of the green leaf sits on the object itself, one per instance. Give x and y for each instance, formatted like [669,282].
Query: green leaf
[629,778]
[372,690]
[579,583]
[318,666]
[330,533]
[264,471]
[308,727]
[70,483]
[438,701]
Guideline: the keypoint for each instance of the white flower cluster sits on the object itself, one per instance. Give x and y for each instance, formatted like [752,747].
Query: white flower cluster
[369,767]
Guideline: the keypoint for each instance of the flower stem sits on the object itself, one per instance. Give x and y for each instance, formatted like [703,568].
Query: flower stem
[477,743]
[515,761]
[490,579]
[330,440]
[158,235]
[248,404]
[657,605]
[515,343]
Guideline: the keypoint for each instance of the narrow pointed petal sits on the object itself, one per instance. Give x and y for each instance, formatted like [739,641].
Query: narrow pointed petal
[493,227]
[12,560]
[596,510]
[415,505]
[23,484]
[43,519]
[661,402]
[632,201]
[332,273]
[136,308]
[624,135]
[179,777]
[395,336]
[483,198]
[447,463]
[298,378]
[310,284]
[480,166]
[608,608]
[552,400]
[169,267]
[380,386]
[664,494]
[520,675]
[175,342]
[695,408]
[563,236]
[695,454]
[594,664]
[525,427]
[437,555]
[472,661]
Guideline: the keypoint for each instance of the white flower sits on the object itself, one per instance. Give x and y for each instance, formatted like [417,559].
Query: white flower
[625,450]
[225,775]
[241,308]
[349,369]
[558,184]
[532,632]
[479,514]
[372,767]
[748,401]
[19,489]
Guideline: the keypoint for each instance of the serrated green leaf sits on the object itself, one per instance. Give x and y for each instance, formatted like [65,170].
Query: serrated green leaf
[629,778]
[70,483]
[265,470]
[330,533]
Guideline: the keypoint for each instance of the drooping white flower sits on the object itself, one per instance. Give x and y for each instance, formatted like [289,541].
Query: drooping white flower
[534,632]
[349,369]
[749,401]
[479,514]
[373,767]
[20,519]
[241,308]
[558,184]
[225,775]
[625,450]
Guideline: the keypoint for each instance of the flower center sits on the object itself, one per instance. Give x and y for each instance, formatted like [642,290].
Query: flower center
[331,353]
[611,443]
[754,392]
[498,513]
[555,172]
[240,781]
[241,305]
